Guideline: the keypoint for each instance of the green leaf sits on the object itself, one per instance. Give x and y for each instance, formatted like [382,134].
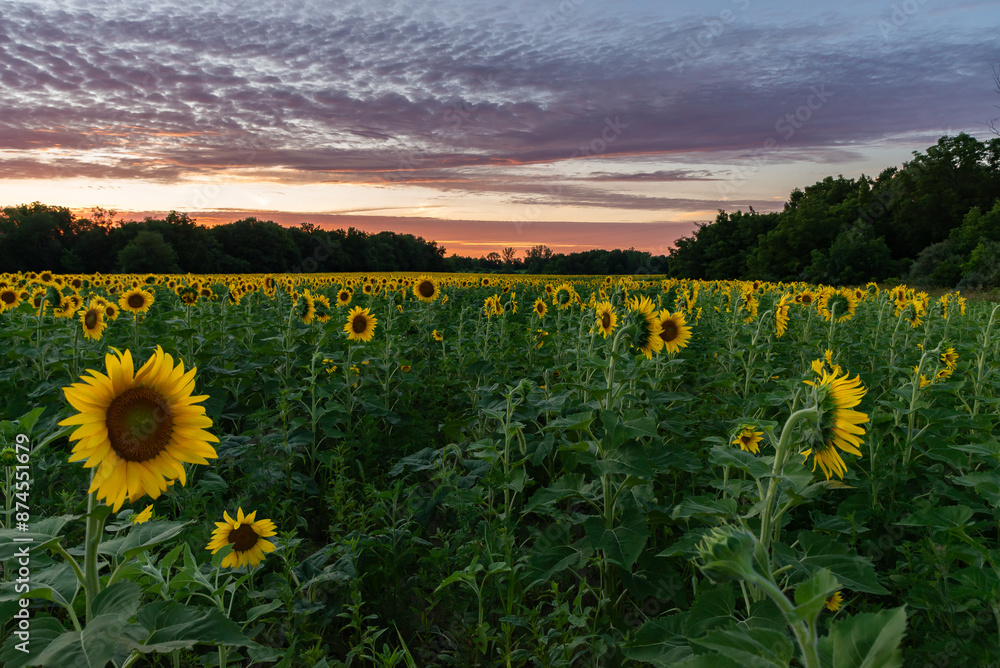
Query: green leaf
[714,607]
[738,459]
[258,610]
[760,648]
[811,595]
[121,598]
[140,538]
[43,631]
[948,517]
[623,544]
[660,642]
[705,506]
[94,646]
[868,640]
[57,583]
[575,422]
[168,626]
[817,551]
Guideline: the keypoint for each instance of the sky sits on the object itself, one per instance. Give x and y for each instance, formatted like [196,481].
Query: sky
[572,123]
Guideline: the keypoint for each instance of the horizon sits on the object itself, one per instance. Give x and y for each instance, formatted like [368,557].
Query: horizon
[568,124]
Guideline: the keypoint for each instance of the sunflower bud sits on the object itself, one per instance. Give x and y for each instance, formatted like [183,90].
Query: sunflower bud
[726,553]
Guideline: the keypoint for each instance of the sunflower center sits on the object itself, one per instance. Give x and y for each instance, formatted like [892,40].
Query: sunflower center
[139,423]
[90,319]
[670,330]
[136,301]
[426,289]
[8,296]
[243,538]
[807,299]
[606,320]
[359,324]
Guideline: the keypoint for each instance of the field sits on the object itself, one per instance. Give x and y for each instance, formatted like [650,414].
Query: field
[465,470]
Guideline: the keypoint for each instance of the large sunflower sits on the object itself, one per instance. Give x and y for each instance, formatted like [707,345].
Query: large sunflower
[136,300]
[607,320]
[840,425]
[246,536]
[9,299]
[360,325]
[92,319]
[673,330]
[426,289]
[138,429]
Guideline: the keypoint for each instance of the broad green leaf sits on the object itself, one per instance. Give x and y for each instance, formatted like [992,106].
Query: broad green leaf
[575,422]
[760,648]
[660,642]
[738,459]
[714,607]
[817,551]
[57,583]
[140,538]
[121,598]
[948,517]
[167,626]
[43,631]
[811,595]
[94,646]
[623,543]
[705,506]
[868,640]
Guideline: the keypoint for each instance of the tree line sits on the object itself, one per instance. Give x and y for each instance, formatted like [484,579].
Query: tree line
[934,222]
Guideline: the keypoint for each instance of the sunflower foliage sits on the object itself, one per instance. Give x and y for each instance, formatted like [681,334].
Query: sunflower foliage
[468,470]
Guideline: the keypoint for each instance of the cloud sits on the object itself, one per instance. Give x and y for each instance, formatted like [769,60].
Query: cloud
[361,91]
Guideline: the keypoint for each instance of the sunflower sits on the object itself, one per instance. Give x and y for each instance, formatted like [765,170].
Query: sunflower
[950,358]
[781,314]
[748,439]
[563,297]
[648,329]
[189,295]
[438,336]
[607,320]
[540,308]
[136,300]
[834,602]
[138,429]
[246,536]
[9,299]
[322,304]
[837,304]
[367,288]
[344,297]
[305,307]
[673,330]
[92,319]
[840,425]
[110,311]
[425,289]
[360,325]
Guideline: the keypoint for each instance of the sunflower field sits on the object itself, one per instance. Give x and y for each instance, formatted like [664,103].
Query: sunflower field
[465,470]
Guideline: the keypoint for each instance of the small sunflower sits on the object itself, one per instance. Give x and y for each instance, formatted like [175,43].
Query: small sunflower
[749,439]
[136,300]
[360,325]
[246,536]
[607,320]
[540,308]
[840,425]
[438,336]
[426,289]
[834,602]
[138,429]
[950,358]
[92,319]
[673,330]
[344,297]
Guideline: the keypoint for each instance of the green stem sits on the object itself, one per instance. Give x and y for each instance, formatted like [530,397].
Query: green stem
[91,580]
[780,458]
